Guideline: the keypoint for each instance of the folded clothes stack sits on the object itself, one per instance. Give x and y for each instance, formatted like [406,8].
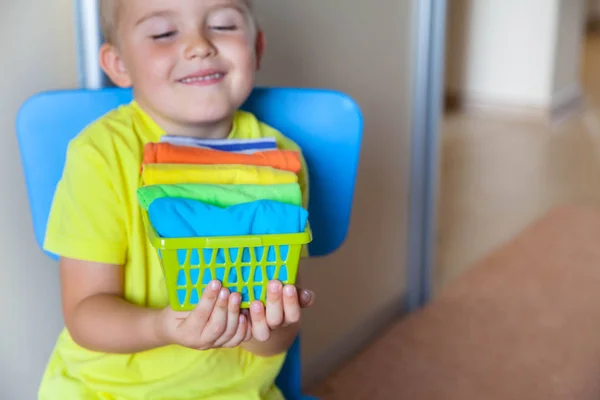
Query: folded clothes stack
[196,188]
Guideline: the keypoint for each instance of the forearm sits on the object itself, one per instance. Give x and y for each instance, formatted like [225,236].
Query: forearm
[279,342]
[109,324]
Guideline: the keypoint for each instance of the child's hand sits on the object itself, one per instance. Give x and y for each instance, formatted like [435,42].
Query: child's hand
[283,309]
[216,322]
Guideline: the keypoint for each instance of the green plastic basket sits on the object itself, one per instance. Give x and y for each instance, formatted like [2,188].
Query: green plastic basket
[244,264]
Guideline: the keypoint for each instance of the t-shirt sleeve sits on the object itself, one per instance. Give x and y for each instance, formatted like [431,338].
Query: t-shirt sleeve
[87,219]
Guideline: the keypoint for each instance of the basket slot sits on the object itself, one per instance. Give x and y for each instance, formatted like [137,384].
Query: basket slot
[258,292]
[247,256]
[284,252]
[234,254]
[245,294]
[258,254]
[221,274]
[257,274]
[194,276]
[232,276]
[194,298]
[246,274]
[207,256]
[283,273]
[181,278]
[271,270]
[271,254]
[182,296]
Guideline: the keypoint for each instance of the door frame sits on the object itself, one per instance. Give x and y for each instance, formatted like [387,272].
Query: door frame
[88,40]
[428,71]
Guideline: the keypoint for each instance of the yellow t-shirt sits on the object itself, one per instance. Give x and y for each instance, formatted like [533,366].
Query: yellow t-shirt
[95,216]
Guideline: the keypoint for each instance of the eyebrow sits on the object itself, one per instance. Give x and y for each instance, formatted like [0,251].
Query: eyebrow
[153,14]
[234,7]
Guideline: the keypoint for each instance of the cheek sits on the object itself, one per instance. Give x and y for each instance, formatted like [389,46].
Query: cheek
[239,53]
[156,63]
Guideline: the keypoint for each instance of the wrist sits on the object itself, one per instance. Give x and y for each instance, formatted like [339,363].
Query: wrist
[155,327]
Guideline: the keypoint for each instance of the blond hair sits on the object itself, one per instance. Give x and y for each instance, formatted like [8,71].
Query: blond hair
[109,13]
[109,18]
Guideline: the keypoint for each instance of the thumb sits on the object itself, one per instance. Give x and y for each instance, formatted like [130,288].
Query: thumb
[306,298]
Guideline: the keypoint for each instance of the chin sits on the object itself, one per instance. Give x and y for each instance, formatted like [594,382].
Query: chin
[208,114]
[207,118]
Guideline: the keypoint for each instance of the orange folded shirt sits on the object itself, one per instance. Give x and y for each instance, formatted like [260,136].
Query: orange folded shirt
[166,153]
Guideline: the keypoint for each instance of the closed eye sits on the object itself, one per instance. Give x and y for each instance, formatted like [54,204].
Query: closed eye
[224,28]
[164,35]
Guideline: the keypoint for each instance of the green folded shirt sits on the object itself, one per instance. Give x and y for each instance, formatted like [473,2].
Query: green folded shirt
[222,195]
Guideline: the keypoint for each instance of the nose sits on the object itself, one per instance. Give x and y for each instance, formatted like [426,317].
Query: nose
[199,46]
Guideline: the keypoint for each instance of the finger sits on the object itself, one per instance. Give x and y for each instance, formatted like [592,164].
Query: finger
[248,337]
[248,332]
[306,297]
[274,308]
[240,334]
[291,306]
[260,329]
[233,316]
[218,319]
[199,317]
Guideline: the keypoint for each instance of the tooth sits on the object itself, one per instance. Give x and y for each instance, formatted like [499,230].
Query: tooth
[217,75]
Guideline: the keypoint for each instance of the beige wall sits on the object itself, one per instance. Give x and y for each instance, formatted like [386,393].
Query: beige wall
[361,48]
[500,50]
[311,43]
[38,54]
[514,52]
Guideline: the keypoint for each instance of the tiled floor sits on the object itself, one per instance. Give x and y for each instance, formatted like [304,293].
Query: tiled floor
[497,176]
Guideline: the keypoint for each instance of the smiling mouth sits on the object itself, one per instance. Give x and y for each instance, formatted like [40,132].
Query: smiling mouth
[210,78]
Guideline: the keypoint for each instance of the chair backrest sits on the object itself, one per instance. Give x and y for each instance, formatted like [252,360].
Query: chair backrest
[327,125]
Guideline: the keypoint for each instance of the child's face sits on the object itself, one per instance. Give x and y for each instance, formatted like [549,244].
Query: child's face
[190,62]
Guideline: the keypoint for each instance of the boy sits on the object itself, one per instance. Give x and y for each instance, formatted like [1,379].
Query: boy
[191,64]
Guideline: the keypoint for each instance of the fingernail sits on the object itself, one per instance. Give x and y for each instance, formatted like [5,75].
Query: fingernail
[223,294]
[306,296]
[215,285]
[236,299]
[256,306]
[242,319]
[290,290]
[274,287]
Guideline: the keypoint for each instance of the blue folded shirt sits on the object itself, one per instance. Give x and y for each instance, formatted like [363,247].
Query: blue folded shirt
[181,218]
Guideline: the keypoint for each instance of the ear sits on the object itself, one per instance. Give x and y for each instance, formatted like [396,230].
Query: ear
[113,66]
[260,45]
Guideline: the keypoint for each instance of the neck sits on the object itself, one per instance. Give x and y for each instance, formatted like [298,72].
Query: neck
[209,130]
[219,129]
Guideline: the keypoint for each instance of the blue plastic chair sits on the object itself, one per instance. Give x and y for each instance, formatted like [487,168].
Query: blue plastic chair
[327,125]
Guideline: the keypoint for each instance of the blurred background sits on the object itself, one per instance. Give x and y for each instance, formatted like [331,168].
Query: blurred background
[521,128]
